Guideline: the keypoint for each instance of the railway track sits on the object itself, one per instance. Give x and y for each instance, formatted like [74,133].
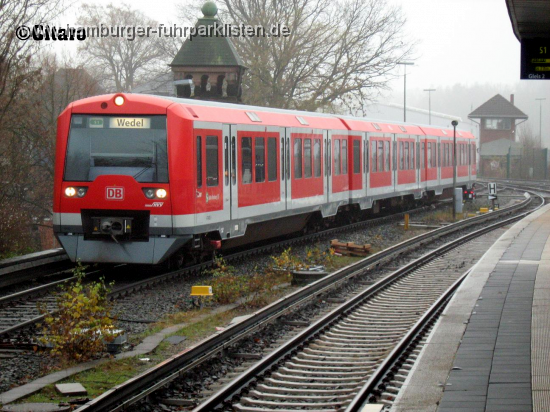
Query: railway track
[19,311]
[132,391]
[31,266]
[326,365]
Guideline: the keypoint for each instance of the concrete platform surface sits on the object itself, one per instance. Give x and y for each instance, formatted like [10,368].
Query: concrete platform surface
[490,350]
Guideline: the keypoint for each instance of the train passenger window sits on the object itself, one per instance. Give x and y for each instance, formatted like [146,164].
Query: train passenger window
[212,161]
[418,155]
[307,158]
[373,154]
[259,157]
[406,156]
[411,152]
[298,158]
[401,159]
[271,159]
[337,157]
[434,155]
[246,159]
[438,154]
[344,157]
[423,155]
[356,156]
[317,157]
[429,154]
[387,155]
[233,161]
[394,156]
[366,156]
[226,157]
[199,161]
[380,156]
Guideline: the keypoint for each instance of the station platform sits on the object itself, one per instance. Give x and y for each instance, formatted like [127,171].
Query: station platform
[490,350]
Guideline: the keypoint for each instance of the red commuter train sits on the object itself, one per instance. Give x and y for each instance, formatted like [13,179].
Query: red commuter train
[142,178]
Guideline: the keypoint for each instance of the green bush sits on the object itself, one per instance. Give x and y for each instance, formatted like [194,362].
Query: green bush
[81,325]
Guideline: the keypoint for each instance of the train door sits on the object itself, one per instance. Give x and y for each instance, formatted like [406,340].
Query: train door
[226,135]
[328,165]
[418,172]
[366,163]
[287,186]
[394,162]
[326,149]
[210,205]
[231,193]
[364,179]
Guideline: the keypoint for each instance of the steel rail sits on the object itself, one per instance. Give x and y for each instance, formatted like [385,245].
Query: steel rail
[403,346]
[140,386]
[235,386]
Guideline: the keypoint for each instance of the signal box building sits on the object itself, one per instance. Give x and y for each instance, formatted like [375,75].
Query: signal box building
[498,118]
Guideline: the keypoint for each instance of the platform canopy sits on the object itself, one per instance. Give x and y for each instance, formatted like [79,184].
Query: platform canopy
[530,18]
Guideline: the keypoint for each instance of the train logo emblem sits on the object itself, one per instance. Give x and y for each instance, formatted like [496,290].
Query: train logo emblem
[115,193]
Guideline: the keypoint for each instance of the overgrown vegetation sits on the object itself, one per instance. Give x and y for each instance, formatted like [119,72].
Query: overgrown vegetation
[82,324]
[255,289]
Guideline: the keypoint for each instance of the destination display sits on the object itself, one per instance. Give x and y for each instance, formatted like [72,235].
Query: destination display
[535,59]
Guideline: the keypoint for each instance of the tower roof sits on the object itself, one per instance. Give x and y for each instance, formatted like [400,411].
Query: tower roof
[207,50]
[497,106]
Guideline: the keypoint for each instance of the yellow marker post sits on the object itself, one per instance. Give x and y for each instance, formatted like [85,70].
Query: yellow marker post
[199,294]
[406,226]
[201,291]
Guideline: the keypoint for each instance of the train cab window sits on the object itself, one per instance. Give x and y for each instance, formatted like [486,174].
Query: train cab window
[387,155]
[356,156]
[271,159]
[298,158]
[344,157]
[133,146]
[401,159]
[259,158]
[337,165]
[246,159]
[406,156]
[317,157]
[212,177]
[307,158]
[199,161]
[373,154]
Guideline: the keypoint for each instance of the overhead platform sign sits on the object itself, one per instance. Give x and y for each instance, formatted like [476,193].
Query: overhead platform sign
[535,59]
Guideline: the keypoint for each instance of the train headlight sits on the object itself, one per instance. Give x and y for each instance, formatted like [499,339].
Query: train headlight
[119,100]
[149,193]
[161,193]
[75,191]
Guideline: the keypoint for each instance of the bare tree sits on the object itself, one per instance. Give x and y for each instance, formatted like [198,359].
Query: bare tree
[27,148]
[124,60]
[16,67]
[338,52]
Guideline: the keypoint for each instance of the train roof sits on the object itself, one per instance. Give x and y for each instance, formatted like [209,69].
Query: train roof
[255,115]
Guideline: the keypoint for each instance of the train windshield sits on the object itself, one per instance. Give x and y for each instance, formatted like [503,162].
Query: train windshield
[117,145]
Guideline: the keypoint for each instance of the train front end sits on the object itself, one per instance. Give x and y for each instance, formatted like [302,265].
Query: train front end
[112,193]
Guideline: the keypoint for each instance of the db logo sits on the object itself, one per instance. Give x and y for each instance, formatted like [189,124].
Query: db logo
[115,193]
